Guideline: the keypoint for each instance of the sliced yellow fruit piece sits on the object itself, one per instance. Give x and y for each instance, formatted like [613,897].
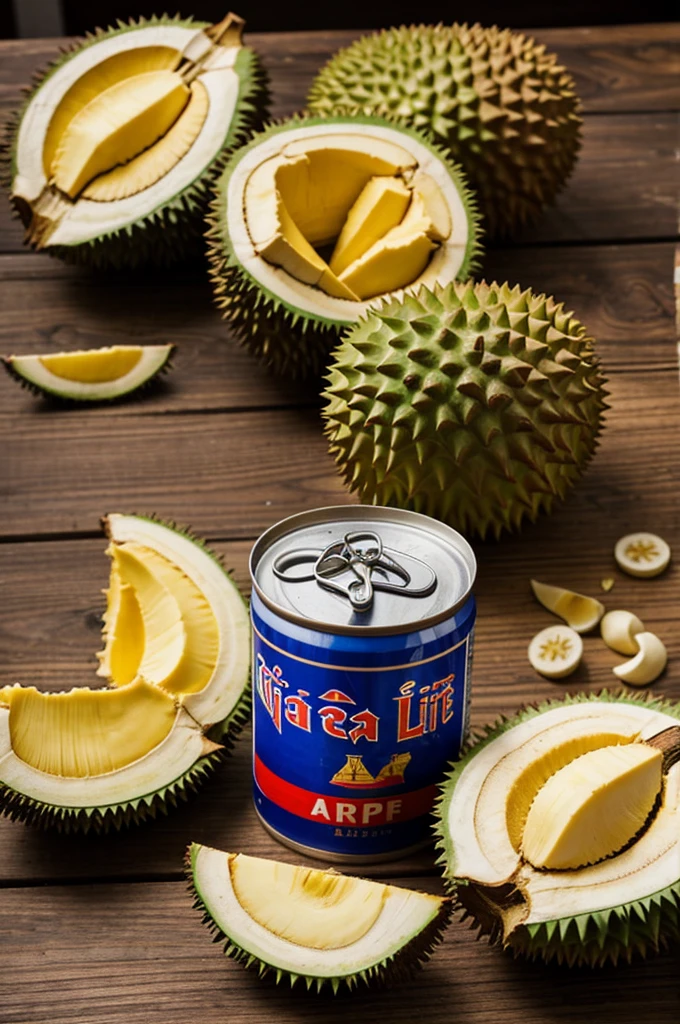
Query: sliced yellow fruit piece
[88,732]
[642,554]
[380,207]
[556,652]
[648,663]
[95,81]
[117,125]
[578,610]
[619,630]
[431,205]
[96,367]
[197,660]
[392,263]
[123,630]
[593,807]
[154,163]
[316,909]
[550,755]
[165,635]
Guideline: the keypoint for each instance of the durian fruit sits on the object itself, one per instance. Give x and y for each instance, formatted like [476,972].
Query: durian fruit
[111,158]
[559,829]
[318,217]
[477,404]
[177,658]
[93,375]
[505,108]
[319,927]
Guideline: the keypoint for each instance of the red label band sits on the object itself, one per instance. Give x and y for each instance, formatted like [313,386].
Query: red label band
[333,810]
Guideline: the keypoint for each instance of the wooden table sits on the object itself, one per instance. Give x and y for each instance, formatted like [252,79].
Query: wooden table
[102,929]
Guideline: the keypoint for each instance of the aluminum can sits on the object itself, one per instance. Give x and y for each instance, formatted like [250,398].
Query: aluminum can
[363,624]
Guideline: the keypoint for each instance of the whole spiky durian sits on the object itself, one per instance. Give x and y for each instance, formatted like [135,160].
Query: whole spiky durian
[506,108]
[478,404]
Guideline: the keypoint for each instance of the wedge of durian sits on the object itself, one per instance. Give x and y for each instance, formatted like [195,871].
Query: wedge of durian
[111,157]
[319,927]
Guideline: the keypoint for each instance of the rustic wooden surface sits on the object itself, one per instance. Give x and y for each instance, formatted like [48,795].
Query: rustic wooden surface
[97,930]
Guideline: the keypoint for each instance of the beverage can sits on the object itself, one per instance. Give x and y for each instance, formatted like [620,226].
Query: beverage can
[363,625]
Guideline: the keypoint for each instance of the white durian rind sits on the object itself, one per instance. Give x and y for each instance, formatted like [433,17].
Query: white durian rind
[583,916]
[400,939]
[223,705]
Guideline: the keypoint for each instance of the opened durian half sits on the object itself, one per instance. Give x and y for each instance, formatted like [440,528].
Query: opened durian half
[559,830]
[318,218]
[177,660]
[110,159]
[319,927]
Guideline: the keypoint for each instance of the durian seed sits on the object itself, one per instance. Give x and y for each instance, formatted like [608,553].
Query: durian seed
[619,631]
[593,807]
[648,663]
[556,652]
[642,554]
[578,610]
[607,584]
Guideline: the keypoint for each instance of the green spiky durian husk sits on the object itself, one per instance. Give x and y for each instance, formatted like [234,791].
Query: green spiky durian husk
[174,231]
[476,404]
[19,807]
[640,927]
[397,968]
[293,341]
[506,109]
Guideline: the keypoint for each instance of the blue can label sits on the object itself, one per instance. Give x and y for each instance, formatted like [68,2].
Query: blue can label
[353,734]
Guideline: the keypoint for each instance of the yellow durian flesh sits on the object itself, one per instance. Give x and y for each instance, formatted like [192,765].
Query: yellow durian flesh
[549,760]
[123,632]
[93,367]
[591,808]
[181,642]
[393,262]
[579,611]
[116,126]
[86,732]
[380,206]
[312,908]
[101,76]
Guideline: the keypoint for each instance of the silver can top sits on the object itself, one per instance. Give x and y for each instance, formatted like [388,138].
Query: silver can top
[362,569]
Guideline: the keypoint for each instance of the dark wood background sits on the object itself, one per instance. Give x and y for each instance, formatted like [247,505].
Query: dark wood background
[101,930]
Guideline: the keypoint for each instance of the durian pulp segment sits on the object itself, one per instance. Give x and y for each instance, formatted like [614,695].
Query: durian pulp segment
[381,205]
[306,197]
[123,632]
[316,909]
[404,915]
[117,125]
[592,807]
[154,163]
[184,665]
[88,732]
[100,77]
[551,758]
[93,367]
[578,610]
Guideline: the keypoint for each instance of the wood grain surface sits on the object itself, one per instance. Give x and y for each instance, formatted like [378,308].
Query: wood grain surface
[96,930]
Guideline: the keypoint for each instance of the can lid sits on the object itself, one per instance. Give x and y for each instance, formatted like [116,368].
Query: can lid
[362,569]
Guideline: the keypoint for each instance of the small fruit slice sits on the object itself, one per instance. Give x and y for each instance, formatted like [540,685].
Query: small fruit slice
[380,207]
[578,610]
[619,631]
[393,262]
[556,652]
[648,663]
[593,807]
[92,375]
[319,925]
[642,554]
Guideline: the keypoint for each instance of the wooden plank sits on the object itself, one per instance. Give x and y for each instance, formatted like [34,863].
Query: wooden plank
[624,185]
[139,954]
[48,307]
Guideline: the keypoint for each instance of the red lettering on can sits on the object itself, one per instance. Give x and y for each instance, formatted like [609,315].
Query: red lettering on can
[367,726]
[332,719]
